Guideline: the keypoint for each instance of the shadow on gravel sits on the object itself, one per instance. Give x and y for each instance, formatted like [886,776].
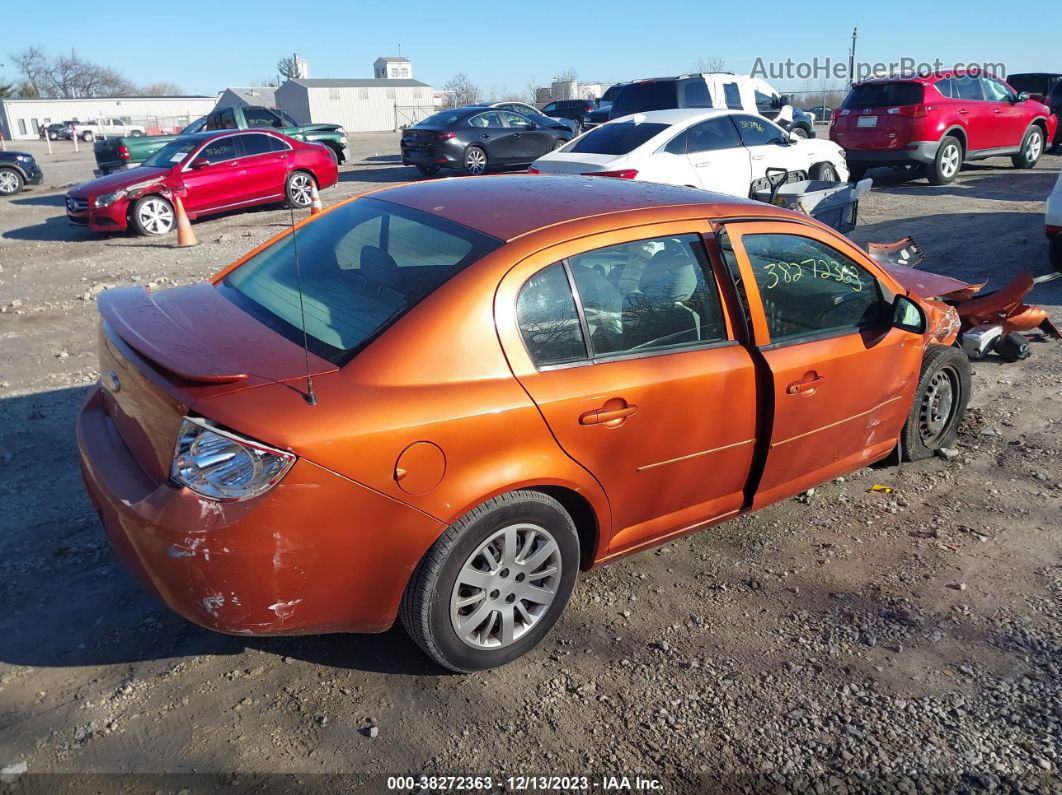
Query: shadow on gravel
[54,200]
[1006,244]
[56,229]
[396,173]
[1013,186]
[67,600]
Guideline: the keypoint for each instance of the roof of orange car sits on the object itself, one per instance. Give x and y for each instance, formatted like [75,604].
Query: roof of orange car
[511,205]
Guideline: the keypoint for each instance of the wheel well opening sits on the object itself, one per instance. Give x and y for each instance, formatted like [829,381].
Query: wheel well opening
[960,136]
[582,514]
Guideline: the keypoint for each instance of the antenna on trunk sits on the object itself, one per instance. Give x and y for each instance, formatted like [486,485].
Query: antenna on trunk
[310,396]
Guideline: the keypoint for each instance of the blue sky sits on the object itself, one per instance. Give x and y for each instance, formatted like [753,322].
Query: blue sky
[206,46]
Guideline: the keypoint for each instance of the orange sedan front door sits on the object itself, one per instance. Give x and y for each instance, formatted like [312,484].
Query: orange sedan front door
[622,342]
[842,378]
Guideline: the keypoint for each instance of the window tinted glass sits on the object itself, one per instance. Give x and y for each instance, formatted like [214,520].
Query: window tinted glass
[256,144]
[713,134]
[489,119]
[945,87]
[756,132]
[611,93]
[808,288]
[363,265]
[226,120]
[222,149]
[995,91]
[695,94]
[967,88]
[1033,83]
[884,95]
[171,154]
[548,320]
[639,97]
[764,101]
[550,107]
[515,120]
[647,295]
[733,95]
[677,145]
[260,117]
[447,118]
[616,138]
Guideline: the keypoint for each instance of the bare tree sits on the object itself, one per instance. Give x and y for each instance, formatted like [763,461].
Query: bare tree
[462,90]
[269,82]
[161,89]
[33,64]
[288,67]
[7,90]
[713,63]
[531,90]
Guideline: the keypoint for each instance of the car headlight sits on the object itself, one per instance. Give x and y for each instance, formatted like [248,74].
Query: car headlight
[343,140]
[224,466]
[24,158]
[107,199]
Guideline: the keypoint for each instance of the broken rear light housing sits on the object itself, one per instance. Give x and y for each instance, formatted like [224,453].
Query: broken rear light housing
[224,466]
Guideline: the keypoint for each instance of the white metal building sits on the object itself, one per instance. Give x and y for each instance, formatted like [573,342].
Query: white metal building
[358,105]
[264,96]
[393,67]
[20,119]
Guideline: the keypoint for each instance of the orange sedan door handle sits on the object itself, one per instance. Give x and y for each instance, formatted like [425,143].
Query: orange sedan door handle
[807,384]
[613,414]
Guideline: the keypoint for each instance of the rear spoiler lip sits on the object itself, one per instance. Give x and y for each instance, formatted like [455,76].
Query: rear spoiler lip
[182,354]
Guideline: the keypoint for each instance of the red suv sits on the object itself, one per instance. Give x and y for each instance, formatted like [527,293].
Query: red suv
[938,121]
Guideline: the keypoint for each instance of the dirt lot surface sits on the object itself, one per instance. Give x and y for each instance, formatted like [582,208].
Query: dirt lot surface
[868,641]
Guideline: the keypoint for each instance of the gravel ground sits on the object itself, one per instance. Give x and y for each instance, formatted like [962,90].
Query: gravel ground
[849,640]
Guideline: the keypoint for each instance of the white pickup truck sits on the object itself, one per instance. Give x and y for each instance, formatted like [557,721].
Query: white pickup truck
[109,127]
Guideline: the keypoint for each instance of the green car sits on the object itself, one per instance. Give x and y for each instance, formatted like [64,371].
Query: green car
[115,154]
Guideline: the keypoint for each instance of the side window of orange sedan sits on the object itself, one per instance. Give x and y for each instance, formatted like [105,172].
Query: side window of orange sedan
[642,297]
[809,289]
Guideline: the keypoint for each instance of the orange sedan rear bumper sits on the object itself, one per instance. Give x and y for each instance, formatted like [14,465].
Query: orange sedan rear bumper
[319,553]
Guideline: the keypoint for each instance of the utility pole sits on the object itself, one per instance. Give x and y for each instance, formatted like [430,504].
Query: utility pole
[851,57]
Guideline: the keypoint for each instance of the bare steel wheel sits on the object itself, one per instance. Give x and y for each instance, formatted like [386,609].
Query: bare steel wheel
[505,586]
[494,583]
[299,189]
[939,402]
[153,215]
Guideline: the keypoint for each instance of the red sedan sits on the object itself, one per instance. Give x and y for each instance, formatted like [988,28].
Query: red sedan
[212,172]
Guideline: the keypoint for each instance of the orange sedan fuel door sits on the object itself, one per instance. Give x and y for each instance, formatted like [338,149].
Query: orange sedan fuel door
[622,341]
[841,377]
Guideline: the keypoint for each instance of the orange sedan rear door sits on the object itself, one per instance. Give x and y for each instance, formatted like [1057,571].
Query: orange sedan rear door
[841,376]
[622,341]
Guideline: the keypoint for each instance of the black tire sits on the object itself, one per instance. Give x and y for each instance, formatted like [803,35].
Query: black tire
[136,134]
[824,171]
[428,171]
[945,376]
[948,162]
[11,182]
[151,207]
[297,189]
[426,608]
[1032,146]
[476,161]
[88,136]
[557,144]
[53,136]
[1055,252]
[856,173]
[800,131]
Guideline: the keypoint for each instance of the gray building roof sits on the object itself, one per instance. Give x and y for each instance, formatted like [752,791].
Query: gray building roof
[255,95]
[395,58]
[368,83]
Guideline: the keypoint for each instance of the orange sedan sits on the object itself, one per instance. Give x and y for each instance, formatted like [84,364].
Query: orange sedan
[441,401]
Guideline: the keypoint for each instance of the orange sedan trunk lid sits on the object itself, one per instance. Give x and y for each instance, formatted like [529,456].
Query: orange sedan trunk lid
[162,352]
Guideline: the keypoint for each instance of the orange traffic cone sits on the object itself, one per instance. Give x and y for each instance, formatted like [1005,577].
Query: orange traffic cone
[315,200]
[185,235]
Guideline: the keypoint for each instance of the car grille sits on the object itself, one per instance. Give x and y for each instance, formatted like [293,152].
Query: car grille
[76,205]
